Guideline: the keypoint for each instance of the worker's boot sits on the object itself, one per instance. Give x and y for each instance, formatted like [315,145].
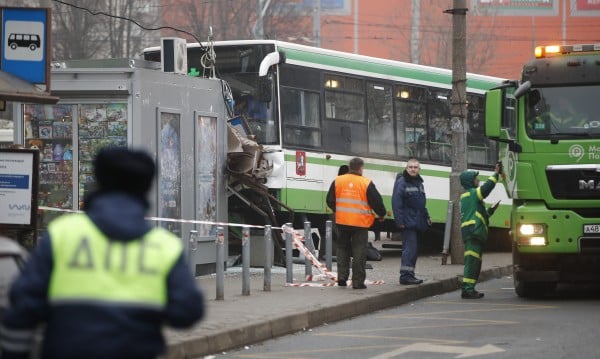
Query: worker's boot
[472,294]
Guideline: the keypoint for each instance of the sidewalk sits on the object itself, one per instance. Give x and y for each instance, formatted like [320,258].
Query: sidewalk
[242,320]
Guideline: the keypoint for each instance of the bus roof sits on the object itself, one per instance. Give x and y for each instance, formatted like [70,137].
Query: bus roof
[363,65]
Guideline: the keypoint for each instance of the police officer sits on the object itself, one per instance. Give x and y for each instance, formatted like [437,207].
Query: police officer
[474,226]
[353,198]
[104,281]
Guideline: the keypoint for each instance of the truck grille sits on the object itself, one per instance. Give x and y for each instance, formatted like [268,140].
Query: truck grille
[589,245]
[574,181]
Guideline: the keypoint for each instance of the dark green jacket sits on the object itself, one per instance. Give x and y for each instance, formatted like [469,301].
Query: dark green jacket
[473,214]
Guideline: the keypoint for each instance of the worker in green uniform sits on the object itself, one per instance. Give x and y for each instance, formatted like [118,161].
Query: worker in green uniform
[474,226]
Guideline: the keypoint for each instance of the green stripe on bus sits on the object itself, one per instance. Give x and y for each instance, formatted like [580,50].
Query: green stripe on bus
[369,166]
[310,201]
[424,74]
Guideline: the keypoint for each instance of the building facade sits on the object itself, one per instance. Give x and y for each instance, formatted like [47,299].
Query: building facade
[501,34]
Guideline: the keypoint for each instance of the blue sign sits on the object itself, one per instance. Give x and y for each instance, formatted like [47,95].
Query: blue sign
[24,44]
[14,181]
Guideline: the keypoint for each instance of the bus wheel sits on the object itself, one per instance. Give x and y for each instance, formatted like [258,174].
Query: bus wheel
[533,289]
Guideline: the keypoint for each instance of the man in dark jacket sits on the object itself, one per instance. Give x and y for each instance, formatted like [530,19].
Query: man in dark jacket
[411,216]
[474,226]
[353,198]
[104,282]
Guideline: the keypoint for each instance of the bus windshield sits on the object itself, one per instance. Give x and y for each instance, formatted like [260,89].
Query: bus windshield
[259,116]
[563,112]
[238,65]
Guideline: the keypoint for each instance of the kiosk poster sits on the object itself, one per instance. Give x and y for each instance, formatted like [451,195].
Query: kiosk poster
[169,175]
[17,177]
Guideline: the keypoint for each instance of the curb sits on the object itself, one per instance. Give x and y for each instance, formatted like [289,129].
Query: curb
[289,323]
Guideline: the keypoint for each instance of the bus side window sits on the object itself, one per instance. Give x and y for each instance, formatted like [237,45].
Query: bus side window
[345,128]
[480,150]
[379,113]
[411,113]
[300,117]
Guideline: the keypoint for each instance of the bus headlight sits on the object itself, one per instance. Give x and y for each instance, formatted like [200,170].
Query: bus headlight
[532,235]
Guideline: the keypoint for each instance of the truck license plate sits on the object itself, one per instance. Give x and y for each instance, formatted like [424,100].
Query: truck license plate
[591,228]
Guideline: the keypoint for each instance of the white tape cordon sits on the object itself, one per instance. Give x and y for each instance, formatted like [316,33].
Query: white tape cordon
[297,242]
[162,219]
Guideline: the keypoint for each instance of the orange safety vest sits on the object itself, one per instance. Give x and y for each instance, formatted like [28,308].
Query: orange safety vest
[351,205]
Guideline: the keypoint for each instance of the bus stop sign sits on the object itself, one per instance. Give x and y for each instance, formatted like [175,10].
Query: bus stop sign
[24,45]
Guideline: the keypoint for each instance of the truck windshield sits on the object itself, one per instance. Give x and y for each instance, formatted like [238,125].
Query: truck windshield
[563,112]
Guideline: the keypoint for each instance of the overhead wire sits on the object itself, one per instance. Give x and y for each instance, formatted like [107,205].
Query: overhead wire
[95,13]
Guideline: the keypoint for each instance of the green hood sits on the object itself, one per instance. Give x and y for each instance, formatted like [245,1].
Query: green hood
[467,179]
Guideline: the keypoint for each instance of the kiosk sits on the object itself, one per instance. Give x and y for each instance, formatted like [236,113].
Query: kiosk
[180,119]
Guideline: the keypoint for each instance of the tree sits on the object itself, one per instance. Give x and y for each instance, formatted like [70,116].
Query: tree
[125,38]
[102,29]
[76,34]
[436,39]
[231,20]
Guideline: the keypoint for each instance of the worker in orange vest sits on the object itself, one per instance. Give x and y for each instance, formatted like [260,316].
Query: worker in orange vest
[354,198]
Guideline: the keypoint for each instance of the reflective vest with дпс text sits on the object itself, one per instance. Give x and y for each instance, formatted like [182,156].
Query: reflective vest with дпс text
[351,204]
[89,268]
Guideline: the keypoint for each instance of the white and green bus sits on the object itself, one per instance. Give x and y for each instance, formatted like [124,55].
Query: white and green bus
[313,109]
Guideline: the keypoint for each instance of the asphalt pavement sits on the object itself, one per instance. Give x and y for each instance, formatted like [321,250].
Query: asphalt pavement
[240,320]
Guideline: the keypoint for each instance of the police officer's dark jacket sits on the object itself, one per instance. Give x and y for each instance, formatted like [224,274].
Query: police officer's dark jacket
[408,202]
[82,320]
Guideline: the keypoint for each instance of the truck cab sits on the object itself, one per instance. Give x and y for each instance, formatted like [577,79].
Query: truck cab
[548,128]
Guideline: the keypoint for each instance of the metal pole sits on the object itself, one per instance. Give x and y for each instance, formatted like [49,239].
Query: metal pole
[564,22]
[317,23]
[192,247]
[415,55]
[308,242]
[246,261]
[268,259]
[447,231]
[458,121]
[289,269]
[328,243]
[220,265]
[356,17]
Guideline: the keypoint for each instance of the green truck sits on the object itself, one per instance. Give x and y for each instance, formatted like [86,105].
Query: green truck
[548,129]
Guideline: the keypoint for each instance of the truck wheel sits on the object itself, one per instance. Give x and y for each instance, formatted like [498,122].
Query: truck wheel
[533,289]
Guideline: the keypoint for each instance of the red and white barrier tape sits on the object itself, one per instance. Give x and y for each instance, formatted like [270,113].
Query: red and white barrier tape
[297,242]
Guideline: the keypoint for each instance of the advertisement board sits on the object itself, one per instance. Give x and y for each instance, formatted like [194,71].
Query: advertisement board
[18,177]
[517,7]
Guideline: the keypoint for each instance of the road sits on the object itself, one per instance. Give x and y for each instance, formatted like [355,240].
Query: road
[501,325]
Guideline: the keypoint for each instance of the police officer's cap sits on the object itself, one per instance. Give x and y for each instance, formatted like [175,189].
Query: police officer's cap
[124,170]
